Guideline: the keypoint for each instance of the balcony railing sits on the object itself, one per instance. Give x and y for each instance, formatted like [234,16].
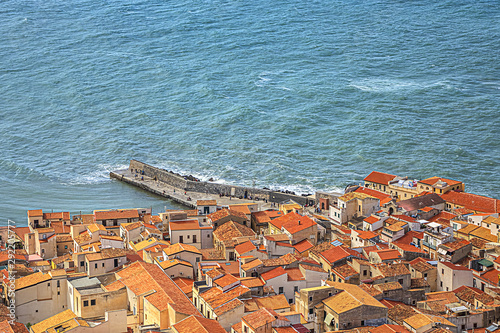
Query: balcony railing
[429,245]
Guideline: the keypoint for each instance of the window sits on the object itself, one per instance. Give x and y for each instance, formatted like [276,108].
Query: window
[102,264]
[58,283]
[281,290]
[95,265]
[92,302]
[362,323]
[86,303]
[310,311]
[181,239]
[290,300]
[116,262]
[58,293]
[295,289]
[194,238]
[310,298]
[81,263]
[441,283]
[188,236]
[400,281]
[65,247]
[48,284]
[442,271]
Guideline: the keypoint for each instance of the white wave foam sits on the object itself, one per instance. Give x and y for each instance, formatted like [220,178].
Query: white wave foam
[100,175]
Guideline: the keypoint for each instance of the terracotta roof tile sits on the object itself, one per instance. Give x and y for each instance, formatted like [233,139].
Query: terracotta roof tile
[116,214]
[473,201]
[244,248]
[206,202]
[379,177]
[197,324]
[220,214]
[231,229]
[278,271]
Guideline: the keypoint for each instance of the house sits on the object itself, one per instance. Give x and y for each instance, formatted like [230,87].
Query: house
[91,297]
[353,205]
[228,235]
[131,233]
[349,307]
[296,227]
[198,324]
[191,232]
[206,207]
[420,323]
[451,276]
[373,222]
[116,217]
[435,235]
[261,219]
[421,269]
[473,202]
[175,267]
[388,255]
[378,180]
[454,251]
[278,245]
[393,230]
[114,321]
[105,261]
[218,297]
[360,238]
[183,252]
[412,206]
[39,295]
[224,215]
[336,256]
[439,185]
[493,223]
[263,321]
[345,274]
[154,299]
[278,303]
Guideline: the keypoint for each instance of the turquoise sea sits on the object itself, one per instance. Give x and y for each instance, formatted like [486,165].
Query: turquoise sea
[301,95]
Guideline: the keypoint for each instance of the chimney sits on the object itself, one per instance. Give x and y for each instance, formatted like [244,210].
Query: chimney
[299,222]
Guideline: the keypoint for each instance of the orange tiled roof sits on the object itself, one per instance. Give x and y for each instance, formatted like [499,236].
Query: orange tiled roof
[231,229]
[31,280]
[58,215]
[206,203]
[284,260]
[244,248]
[473,201]
[379,177]
[371,219]
[433,180]
[388,254]
[141,278]
[294,274]
[338,253]
[373,193]
[196,324]
[35,213]
[220,214]
[184,225]
[116,214]
[180,247]
[303,246]
[293,222]
[241,208]
[225,280]
[278,271]
[259,318]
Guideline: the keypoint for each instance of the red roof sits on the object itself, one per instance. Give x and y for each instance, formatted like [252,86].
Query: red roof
[388,254]
[442,215]
[371,219]
[278,271]
[455,267]
[293,222]
[366,234]
[116,214]
[379,178]
[303,246]
[473,201]
[184,225]
[433,180]
[58,215]
[405,218]
[35,213]
[376,194]
[409,248]
[338,253]
[244,248]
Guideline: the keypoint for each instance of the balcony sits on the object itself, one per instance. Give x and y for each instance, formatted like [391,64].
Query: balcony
[424,243]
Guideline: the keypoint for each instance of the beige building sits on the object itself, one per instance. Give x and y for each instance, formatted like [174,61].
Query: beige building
[67,321]
[191,232]
[439,185]
[353,205]
[198,324]
[105,261]
[349,307]
[116,217]
[153,299]
[451,276]
[89,298]
[40,295]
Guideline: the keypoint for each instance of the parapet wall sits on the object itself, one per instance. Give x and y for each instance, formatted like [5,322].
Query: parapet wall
[213,188]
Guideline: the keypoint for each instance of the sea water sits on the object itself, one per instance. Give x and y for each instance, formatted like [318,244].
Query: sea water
[298,95]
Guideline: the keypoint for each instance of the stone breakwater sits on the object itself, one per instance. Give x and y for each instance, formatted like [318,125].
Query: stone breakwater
[176,187]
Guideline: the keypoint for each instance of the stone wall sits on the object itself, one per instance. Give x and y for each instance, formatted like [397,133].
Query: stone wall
[214,188]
